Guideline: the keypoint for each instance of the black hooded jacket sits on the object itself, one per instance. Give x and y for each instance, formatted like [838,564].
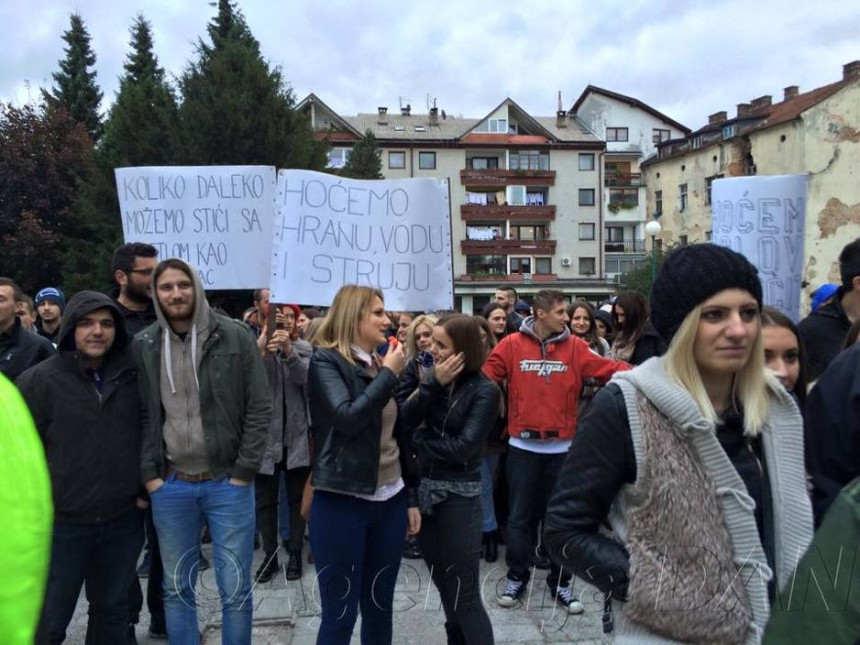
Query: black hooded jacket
[823,332]
[91,438]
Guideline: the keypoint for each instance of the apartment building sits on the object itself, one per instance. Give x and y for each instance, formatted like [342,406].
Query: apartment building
[815,132]
[526,191]
[631,129]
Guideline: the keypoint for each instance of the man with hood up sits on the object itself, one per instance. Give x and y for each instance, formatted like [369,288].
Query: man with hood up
[544,366]
[206,409]
[85,402]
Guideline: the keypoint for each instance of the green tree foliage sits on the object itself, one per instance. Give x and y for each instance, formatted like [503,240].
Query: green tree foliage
[75,86]
[365,159]
[639,279]
[236,109]
[44,156]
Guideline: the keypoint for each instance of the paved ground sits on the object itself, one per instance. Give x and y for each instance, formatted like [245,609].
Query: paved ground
[286,613]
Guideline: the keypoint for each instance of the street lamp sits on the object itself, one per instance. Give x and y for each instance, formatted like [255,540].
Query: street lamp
[653,229]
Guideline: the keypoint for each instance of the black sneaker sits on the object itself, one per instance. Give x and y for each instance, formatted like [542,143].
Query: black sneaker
[564,597]
[268,570]
[294,566]
[513,590]
[411,550]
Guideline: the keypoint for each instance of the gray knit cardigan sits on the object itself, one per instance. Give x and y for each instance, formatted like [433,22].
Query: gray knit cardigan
[782,441]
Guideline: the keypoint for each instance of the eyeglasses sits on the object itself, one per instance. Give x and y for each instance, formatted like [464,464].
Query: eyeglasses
[141,271]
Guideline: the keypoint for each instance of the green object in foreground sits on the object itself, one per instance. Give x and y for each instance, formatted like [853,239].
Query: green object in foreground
[27,513]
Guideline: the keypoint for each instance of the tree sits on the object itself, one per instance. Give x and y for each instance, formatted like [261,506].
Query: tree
[365,160]
[639,279]
[236,109]
[142,127]
[44,156]
[75,84]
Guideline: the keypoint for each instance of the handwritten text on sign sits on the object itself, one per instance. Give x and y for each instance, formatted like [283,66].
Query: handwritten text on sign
[390,234]
[763,218]
[218,218]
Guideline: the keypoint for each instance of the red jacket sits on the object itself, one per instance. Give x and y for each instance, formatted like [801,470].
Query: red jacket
[545,381]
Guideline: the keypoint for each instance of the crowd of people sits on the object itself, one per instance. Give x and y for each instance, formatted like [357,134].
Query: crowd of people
[675,453]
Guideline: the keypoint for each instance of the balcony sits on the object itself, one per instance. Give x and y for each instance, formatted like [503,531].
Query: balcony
[632,180]
[512,277]
[627,246]
[475,213]
[490,247]
[494,177]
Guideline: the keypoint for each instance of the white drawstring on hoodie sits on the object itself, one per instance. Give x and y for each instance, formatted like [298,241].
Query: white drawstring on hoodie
[169,362]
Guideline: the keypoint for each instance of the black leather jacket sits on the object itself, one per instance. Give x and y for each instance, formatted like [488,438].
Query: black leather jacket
[458,421]
[346,403]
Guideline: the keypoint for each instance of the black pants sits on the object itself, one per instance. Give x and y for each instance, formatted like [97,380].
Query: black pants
[102,556]
[531,479]
[450,540]
[155,587]
[267,507]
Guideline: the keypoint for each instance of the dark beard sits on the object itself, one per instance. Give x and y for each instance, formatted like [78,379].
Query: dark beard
[137,295]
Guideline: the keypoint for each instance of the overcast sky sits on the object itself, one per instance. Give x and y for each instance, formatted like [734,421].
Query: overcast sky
[687,59]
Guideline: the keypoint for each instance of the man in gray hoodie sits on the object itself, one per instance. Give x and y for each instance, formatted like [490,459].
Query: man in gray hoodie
[206,406]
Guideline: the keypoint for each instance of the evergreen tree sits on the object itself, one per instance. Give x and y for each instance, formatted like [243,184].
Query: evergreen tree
[236,109]
[75,84]
[365,159]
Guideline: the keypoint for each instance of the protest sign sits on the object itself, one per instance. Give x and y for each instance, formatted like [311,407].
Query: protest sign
[764,218]
[394,235]
[217,218]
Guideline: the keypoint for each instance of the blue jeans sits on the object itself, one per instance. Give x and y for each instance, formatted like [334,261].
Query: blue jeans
[489,465]
[357,546]
[102,556]
[178,510]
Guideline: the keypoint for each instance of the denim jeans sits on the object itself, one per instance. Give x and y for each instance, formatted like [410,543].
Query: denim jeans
[178,510]
[357,546]
[489,465]
[531,479]
[104,558]
[450,540]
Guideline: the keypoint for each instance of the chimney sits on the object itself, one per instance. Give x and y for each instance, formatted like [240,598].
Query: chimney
[718,117]
[760,102]
[561,119]
[406,110]
[434,115]
[851,71]
[790,92]
[743,110]
[383,115]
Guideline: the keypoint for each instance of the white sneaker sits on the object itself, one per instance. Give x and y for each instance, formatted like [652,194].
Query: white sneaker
[565,598]
[513,590]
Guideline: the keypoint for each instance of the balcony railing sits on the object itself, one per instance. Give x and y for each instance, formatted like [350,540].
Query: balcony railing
[512,277]
[489,247]
[627,246]
[494,177]
[472,213]
[630,180]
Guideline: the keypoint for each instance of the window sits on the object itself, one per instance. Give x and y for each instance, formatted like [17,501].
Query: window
[337,157]
[708,236]
[586,197]
[427,160]
[397,160]
[516,195]
[683,240]
[488,264]
[543,265]
[496,126]
[586,231]
[529,160]
[682,190]
[528,233]
[709,181]
[614,233]
[586,161]
[658,135]
[483,163]
[587,266]
[616,134]
[697,142]
[521,265]
[730,130]
[658,203]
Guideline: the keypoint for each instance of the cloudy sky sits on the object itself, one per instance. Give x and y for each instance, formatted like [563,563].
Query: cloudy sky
[687,59]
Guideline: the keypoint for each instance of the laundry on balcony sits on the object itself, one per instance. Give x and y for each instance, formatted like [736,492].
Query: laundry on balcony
[477,199]
[534,199]
[482,234]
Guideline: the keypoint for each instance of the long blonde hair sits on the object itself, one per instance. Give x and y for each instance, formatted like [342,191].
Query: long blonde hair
[750,385]
[411,346]
[339,331]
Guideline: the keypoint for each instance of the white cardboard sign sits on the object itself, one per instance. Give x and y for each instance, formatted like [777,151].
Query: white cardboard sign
[764,217]
[394,235]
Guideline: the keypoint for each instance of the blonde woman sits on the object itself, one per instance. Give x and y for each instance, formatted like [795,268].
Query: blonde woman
[696,458]
[364,476]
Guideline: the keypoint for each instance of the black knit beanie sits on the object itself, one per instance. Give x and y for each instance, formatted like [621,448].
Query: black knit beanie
[692,274]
